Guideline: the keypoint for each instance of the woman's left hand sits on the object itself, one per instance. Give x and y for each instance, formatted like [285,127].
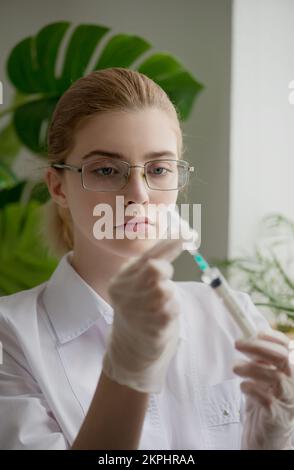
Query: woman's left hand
[269,389]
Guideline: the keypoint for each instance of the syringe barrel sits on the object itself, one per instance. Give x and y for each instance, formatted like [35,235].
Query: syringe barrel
[213,277]
[223,290]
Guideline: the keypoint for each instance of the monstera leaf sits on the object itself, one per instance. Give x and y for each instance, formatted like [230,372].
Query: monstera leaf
[9,144]
[32,64]
[12,194]
[24,262]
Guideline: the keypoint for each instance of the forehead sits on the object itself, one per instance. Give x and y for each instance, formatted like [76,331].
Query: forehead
[127,132]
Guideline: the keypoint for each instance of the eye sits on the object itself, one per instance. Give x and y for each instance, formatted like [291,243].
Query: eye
[104,171]
[159,170]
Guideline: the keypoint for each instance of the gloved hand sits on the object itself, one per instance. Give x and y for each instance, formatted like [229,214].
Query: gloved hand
[269,408]
[145,327]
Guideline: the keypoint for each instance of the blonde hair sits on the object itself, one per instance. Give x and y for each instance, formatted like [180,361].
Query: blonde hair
[101,91]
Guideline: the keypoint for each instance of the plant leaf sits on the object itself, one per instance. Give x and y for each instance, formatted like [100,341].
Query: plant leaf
[31,68]
[121,51]
[83,43]
[7,178]
[179,84]
[10,195]
[24,262]
[9,144]
[31,123]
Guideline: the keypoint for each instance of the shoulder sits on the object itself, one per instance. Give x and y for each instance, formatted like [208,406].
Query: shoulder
[13,304]
[18,313]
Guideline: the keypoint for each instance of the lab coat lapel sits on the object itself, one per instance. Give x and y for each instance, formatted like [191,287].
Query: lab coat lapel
[45,362]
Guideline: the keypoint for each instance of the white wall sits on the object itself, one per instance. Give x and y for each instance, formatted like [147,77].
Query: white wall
[198,33]
[262,119]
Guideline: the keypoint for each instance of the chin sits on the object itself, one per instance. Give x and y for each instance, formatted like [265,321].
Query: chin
[135,247]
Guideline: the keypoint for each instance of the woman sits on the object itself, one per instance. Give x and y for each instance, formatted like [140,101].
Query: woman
[110,353]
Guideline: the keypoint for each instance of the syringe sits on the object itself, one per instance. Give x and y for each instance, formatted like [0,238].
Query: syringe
[214,278]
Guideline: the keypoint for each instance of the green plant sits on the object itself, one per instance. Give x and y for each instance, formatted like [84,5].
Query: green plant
[31,70]
[24,261]
[268,274]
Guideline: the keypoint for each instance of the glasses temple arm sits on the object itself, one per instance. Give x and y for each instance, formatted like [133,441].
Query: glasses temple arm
[66,167]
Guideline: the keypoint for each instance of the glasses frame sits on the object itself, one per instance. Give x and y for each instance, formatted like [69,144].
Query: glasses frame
[81,170]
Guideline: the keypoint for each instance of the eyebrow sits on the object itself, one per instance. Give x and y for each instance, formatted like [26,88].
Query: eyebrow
[105,153]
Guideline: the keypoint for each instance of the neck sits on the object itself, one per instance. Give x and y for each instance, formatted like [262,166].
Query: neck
[92,265]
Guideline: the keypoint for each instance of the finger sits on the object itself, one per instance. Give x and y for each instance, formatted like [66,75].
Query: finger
[162,297]
[143,279]
[137,265]
[155,270]
[275,337]
[258,394]
[266,351]
[165,249]
[130,265]
[269,377]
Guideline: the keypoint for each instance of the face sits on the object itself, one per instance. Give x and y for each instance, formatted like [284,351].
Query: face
[133,135]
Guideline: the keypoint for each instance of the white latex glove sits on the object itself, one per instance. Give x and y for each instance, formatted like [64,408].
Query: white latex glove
[269,409]
[145,327]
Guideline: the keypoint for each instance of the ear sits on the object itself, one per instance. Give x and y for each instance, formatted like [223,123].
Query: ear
[55,182]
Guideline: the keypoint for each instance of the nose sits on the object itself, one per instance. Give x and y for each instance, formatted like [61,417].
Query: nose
[136,190]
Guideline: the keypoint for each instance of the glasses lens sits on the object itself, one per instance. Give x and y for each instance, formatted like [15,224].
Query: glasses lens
[166,174]
[104,175]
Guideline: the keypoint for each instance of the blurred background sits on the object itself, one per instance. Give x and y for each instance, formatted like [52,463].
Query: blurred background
[238,123]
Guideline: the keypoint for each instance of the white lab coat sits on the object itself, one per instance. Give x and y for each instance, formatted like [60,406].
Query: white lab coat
[54,337]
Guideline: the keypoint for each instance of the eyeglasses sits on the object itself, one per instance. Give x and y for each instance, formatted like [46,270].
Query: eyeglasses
[106,175]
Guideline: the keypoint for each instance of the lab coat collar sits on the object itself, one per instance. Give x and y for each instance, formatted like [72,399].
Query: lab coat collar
[73,306]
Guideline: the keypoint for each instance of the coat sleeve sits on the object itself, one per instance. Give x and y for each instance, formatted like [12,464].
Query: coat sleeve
[26,420]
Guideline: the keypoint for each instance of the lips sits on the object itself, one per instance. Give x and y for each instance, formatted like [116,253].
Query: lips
[132,221]
[137,220]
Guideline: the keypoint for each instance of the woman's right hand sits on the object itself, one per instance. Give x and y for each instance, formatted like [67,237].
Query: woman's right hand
[145,327]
